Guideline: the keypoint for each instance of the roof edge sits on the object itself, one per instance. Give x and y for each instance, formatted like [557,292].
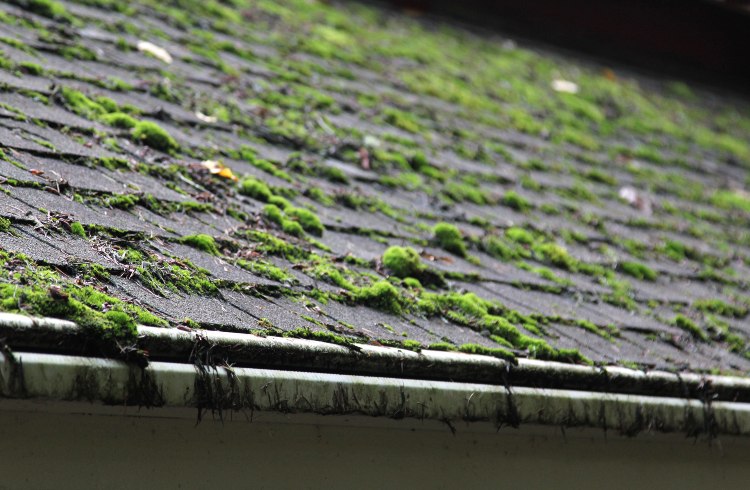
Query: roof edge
[211,348]
[221,390]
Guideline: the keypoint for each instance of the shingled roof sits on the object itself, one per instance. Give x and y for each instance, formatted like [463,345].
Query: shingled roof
[351,175]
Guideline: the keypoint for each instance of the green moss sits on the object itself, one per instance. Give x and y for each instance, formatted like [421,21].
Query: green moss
[333,275]
[122,201]
[119,120]
[591,327]
[449,238]
[31,68]
[293,228]
[81,104]
[403,120]
[413,345]
[519,235]
[201,242]
[733,200]
[464,192]
[307,219]
[274,214]
[691,327]
[600,176]
[487,351]
[77,229]
[442,346]
[321,336]
[720,307]
[256,189]
[555,254]
[267,270]
[5,225]
[514,200]
[381,295]
[121,320]
[280,202]
[334,174]
[638,270]
[499,249]
[675,250]
[153,135]
[46,8]
[403,262]
[412,283]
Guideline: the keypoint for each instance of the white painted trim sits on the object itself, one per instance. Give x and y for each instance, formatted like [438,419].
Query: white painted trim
[226,390]
[401,387]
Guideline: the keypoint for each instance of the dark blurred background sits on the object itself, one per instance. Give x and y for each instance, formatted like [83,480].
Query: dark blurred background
[701,40]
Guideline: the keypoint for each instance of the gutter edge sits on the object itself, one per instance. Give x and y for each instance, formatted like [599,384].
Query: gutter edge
[220,391]
[289,354]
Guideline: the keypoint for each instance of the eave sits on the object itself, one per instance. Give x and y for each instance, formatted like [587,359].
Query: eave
[251,374]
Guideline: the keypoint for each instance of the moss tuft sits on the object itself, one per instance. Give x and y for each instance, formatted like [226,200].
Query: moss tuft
[5,225]
[256,189]
[691,327]
[77,229]
[201,242]
[153,135]
[638,270]
[514,200]
[46,8]
[119,120]
[488,351]
[307,219]
[449,238]
[403,262]
[381,295]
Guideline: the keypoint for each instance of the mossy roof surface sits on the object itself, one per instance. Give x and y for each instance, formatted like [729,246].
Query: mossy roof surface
[245,165]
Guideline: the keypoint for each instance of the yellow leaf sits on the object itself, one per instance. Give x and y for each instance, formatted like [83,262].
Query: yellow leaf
[218,168]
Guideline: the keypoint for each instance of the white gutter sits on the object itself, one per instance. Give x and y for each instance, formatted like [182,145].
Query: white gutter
[399,391]
[222,390]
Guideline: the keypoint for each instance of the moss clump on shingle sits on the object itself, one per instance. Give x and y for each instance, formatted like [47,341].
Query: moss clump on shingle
[266,269]
[449,238]
[79,103]
[77,229]
[59,302]
[720,307]
[46,8]
[403,261]
[731,200]
[256,189]
[201,242]
[556,255]
[690,326]
[122,201]
[381,295]
[154,136]
[120,120]
[487,351]
[638,270]
[519,235]
[307,219]
[294,221]
[31,68]
[514,200]
[273,213]
[464,192]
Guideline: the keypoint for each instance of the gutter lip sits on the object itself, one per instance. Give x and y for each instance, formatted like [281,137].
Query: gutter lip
[221,391]
[50,335]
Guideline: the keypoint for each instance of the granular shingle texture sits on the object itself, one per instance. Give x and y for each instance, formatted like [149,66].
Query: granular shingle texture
[247,166]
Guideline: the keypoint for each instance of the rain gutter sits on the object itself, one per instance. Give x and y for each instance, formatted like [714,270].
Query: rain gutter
[219,371]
